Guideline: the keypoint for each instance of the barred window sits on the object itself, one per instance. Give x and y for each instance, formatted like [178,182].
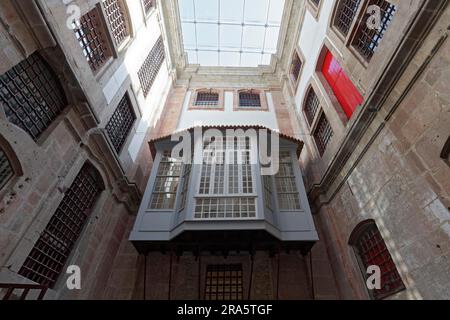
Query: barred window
[91,36]
[312,105]
[46,260]
[121,123]
[224,282]
[287,191]
[207,99]
[166,182]
[367,40]
[116,17]
[31,95]
[249,99]
[370,249]
[296,67]
[323,134]
[151,66]
[6,170]
[148,5]
[345,13]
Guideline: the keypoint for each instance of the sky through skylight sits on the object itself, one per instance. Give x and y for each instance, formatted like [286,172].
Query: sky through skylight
[230,33]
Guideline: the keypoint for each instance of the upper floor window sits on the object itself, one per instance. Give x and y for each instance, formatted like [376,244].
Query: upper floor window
[117,19]
[345,13]
[166,182]
[151,66]
[187,167]
[312,105]
[224,282]
[148,5]
[221,176]
[121,123]
[343,88]
[268,192]
[371,250]
[287,191]
[315,2]
[91,35]
[367,39]
[6,169]
[46,260]
[296,67]
[31,95]
[207,99]
[249,99]
[323,133]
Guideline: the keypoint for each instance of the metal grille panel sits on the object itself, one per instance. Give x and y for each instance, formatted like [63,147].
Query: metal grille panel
[151,66]
[148,5]
[323,134]
[372,250]
[312,105]
[31,95]
[121,122]
[92,39]
[51,251]
[224,282]
[247,99]
[345,14]
[115,14]
[207,99]
[366,40]
[6,170]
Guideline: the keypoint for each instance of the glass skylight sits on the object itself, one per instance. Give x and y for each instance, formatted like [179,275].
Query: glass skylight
[230,33]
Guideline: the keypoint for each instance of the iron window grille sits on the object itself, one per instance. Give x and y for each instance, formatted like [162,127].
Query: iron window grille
[207,99]
[166,183]
[121,123]
[31,95]
[312,105]
[287,191]
[296,67]
[249,100]
[116,17]
[6,170]
[371,249]
[148,5]
[224,282]
[151,66]
[345,13]
[367,40]
[46,260]
[323,134]
[91,36]
[268,193]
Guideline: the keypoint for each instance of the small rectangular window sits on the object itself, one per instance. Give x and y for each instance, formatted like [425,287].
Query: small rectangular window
[287,191]
[91,36]
[312,105]
[224,282]
[296,66]
[207,99]
[368,39]
[148,5]
[151,66]
[117,19]
[121,123]
[166,182]
[345,13]
[323,134]
[249,100]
